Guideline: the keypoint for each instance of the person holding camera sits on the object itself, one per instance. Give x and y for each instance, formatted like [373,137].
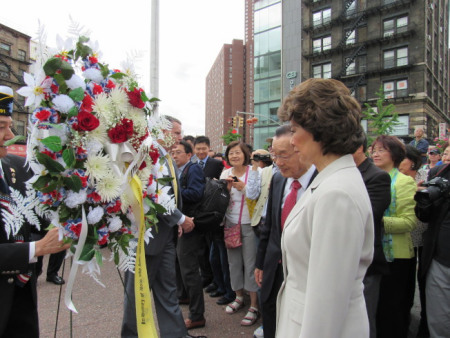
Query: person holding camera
[433,207]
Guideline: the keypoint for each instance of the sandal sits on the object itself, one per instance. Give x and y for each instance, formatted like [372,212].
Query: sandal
[234,306]
[251,317]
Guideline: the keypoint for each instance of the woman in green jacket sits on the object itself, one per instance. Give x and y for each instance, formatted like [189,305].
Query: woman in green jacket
[399,220]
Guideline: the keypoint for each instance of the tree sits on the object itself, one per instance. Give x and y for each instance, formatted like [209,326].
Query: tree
[382,120]
[231,136]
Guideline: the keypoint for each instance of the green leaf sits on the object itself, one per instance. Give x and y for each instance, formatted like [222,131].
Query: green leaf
[72,112]
[66,70]
[61,82]
[69,157]
[116,257]
[104,70]
[98,257]
[64,213]
[42,182]
[52,65]
[73,183]
[53,143]
[77,94]
[50,164]
[15,139]
[83,39]
[154,99]
[118,76]
[87,253]
[50,187]
[164,180]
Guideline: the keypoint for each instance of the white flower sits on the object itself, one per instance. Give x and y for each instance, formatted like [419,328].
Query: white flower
[94,146]
[97,166]
[63,103]
[93,74]
[166,200]
[115,223]
[148,234]
[35,89]
[63,46]
[95,215]
[73,199]
[109,188]
[120,100]
[95,46]
[99,134]
[76,82]
[61,130]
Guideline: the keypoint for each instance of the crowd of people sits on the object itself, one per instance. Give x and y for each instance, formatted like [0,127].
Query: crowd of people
[325,234]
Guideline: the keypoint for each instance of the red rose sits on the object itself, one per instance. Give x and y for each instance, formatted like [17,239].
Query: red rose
[87,121]
[42,115]
[118,134]
[97,89]
[87,103]
[135,98]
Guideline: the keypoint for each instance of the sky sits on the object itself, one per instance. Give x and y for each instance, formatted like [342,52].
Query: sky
[192,34]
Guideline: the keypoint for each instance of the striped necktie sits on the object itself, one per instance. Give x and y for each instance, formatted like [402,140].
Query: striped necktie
[173,174]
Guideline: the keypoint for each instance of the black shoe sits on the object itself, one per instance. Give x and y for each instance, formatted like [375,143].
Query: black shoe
[189,336]
[210,288]
[55,279]
[224,300]
[184,301]
[216,294]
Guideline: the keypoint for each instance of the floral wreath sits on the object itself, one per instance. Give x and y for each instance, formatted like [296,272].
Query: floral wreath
[93,130]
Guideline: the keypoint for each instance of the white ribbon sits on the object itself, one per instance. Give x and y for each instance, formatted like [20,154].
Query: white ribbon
[74,268]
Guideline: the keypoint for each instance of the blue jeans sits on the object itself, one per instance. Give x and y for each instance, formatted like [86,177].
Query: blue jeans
[219,263]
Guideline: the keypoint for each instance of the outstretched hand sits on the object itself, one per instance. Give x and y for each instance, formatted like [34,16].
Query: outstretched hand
[50,244]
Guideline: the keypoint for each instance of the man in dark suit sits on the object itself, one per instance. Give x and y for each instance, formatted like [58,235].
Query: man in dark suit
[192,186]
[18,305]
[378,184]
[268,270]
[160,254]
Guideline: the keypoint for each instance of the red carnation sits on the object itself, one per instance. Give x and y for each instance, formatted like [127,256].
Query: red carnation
[97,89]
[95,196]
[76,229]
[110,84]
[49,153]
[54,88]
[128,126]
[115,208]
[87,121]
[93,59]
[143,165]
[154,154]
[135,98]
[87,103]
[43,115]
[118,134]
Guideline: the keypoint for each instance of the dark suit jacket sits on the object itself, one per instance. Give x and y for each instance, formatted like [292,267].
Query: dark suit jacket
[378,185]
[14,257]
[269,249]
[213,168]
[167,223]
[192,183]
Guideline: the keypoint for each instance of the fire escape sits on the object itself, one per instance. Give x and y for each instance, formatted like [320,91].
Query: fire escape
[20,82]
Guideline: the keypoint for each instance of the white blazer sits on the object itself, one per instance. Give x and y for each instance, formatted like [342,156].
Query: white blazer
[327,245]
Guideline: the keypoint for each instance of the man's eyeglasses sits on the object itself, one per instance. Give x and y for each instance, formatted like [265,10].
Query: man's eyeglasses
[178,152]
[279,157]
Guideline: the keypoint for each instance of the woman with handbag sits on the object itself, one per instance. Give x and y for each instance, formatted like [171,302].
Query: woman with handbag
[239,236]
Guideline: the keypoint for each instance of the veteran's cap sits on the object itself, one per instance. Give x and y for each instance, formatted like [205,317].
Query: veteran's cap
[6,101]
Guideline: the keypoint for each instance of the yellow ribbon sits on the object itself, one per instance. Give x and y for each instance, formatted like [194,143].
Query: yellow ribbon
[144,314]
[172,173]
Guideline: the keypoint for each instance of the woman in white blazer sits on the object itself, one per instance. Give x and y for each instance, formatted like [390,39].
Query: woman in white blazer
[327,241]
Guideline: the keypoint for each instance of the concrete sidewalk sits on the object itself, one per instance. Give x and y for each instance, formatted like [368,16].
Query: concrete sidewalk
[100,309]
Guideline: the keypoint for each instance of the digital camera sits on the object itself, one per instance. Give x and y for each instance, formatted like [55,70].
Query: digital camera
[436,188]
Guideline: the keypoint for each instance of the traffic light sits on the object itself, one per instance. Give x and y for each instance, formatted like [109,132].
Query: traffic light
[234,122]
[241,121]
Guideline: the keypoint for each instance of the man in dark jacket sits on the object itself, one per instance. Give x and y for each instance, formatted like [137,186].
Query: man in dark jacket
[378,184]
[192,185]
[433,207]
[18,305]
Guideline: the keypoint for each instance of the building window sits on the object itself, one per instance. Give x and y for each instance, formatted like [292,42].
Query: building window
[5,48]
[395,26]
[4,71]
[358,66]
[355,6]
[351,37]
[321,44]
[19,126]
[21,55]
[395,88]
[322,17]
[395,57]
[322,71]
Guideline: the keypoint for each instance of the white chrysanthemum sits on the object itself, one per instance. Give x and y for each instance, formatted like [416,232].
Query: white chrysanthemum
[109,187]
[145,173]
[125,200]
[102,103]
[94,146]
[76,82]
[95,215]
[35,88]
[139,120]
[73,199]
[120,100]
[115,223]
[63,103]
[98,134]
[97,166]
[93,74]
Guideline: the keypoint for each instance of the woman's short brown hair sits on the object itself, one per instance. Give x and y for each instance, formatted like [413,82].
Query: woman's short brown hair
[324,108]
[244,149]
[395,147]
